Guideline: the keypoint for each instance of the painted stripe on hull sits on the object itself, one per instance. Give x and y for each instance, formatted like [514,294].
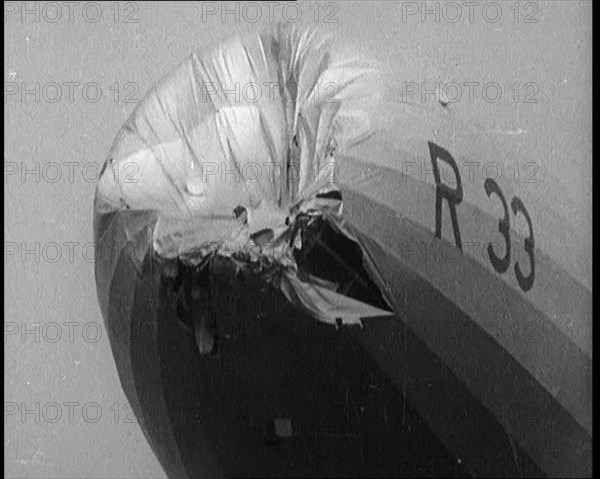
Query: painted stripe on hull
[132,326]
[515,322]
[565,301]
[491,372]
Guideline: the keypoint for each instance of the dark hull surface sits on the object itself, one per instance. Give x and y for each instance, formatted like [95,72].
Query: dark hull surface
[344,391]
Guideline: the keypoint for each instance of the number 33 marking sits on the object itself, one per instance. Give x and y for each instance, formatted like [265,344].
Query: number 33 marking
[501,264]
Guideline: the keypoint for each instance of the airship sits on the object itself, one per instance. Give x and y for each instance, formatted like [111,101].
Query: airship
[304,273]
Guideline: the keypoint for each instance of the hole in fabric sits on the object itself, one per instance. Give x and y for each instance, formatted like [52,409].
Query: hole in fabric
[331,195]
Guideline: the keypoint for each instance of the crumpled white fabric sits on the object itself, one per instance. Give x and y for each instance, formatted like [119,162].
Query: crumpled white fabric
[256,121]
[193,152]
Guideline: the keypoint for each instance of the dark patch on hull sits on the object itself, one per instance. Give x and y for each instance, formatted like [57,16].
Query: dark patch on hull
[213,416]
[208,416]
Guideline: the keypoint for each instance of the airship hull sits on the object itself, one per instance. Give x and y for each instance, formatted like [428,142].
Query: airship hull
[360,401]
[493,400]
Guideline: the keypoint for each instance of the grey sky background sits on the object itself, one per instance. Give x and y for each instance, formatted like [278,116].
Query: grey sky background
[124,52]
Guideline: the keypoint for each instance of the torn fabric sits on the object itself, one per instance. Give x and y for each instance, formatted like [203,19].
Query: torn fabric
[256,122]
